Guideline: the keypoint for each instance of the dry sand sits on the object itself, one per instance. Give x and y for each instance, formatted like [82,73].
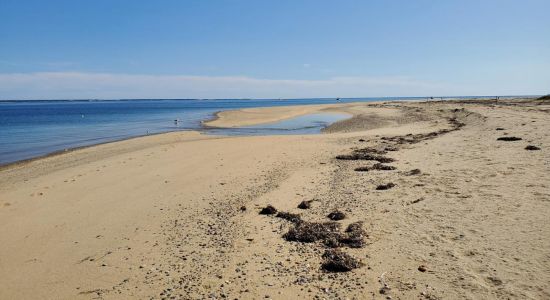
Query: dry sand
[162,216]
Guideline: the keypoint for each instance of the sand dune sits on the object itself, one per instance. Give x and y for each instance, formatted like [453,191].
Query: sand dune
[177,215]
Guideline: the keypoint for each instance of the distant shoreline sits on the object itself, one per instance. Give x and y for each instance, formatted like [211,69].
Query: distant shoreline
[382,98]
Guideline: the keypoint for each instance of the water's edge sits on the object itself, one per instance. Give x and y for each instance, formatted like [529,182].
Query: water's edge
[25,161]
[203,130]
[32,145]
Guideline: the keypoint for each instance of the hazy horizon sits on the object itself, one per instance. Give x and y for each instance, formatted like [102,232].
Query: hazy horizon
[267,99]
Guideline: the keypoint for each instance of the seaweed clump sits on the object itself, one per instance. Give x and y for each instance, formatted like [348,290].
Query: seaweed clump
[531,148]
[335,260]
[268,210]
[386,186]
[336,215]
[309,232]
[509,138]
[306,204]
[328,233]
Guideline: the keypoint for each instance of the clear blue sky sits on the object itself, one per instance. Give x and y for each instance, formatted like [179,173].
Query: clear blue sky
[226,49]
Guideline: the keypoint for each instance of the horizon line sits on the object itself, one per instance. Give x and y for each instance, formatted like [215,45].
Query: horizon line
[282,99]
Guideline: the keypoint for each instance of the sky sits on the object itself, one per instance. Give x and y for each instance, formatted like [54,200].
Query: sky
[112,49]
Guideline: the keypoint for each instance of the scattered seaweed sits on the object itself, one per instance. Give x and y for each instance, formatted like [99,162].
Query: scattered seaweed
[268,210]
[377,166]
[386,186]
[328,233]
[354,236]
[362,169]
[348,157]
[365,156]
[532,148]
[509,138]
[417,138]
[336,215]
[382,167]
[294,218]
[335,260]
[352,241]
[370,150]
[383,159]
[356,227]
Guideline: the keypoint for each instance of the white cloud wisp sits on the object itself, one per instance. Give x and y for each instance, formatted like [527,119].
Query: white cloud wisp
[79,85]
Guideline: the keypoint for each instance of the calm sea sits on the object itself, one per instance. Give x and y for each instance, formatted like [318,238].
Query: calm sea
[33,128]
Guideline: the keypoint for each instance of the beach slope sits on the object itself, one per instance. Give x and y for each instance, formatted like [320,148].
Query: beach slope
[462,212]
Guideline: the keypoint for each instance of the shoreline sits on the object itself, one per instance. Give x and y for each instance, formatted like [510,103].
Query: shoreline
[177,214]
[72,149]
[207,123]
[216,117]
[203,123]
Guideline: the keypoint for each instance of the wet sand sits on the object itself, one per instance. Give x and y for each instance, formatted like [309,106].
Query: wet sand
[176,215]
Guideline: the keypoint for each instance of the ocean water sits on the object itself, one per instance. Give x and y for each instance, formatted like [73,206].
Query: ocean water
[33,128]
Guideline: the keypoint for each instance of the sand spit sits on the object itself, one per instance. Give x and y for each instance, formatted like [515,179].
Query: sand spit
[255,116]
[178,215]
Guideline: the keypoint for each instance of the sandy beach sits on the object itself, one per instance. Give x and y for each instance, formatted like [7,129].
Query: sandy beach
[443,198]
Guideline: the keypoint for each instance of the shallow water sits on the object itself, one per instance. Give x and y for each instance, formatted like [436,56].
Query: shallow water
[33,128]
[306,124]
